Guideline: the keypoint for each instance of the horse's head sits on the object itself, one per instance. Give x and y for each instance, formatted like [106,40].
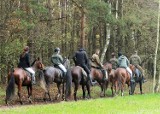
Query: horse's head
[66,63]
[108,67]
[132,67]
[38,64]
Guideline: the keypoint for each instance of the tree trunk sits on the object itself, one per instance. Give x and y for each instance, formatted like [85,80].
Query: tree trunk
[156,50]
[107,39]
[82,29]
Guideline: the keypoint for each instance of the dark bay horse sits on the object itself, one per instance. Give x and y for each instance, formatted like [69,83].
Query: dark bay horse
[97,75]
[52,74]
[123,77]
[79,77]
[138,77]
[21,78]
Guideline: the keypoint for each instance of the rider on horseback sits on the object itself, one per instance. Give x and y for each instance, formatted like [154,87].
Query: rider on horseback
[25,64]
[57,61]
[80,58]
[136,61]
[123,62]
[97,64]
[114,61]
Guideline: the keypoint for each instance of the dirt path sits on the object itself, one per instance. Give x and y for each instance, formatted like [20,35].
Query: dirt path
[38,94]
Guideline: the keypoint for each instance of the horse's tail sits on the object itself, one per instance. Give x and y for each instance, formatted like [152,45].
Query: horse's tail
[42,80]
[10,88]
[68,84]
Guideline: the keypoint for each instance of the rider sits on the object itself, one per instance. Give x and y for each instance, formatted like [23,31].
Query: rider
[25,63]
[114,61]
[80,58]
[96,62]
[123,62]
[57,61]
[136,60]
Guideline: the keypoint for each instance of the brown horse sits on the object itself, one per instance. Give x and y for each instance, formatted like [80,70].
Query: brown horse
[21,78]
[98,76]
[112,78]
[79,76]
[123,77]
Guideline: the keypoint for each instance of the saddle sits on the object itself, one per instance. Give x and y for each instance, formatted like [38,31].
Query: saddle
[59,71]
[83,72]
[105,76]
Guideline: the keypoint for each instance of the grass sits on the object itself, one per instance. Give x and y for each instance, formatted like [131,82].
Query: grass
[137,104]
[2,94]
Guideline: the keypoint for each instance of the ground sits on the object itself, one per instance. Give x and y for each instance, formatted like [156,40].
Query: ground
[38,94]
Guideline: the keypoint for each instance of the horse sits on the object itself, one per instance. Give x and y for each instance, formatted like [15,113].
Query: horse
[98,76]
[123,77]
[21,77]
[79,77]
[52,74]
[138,77]
[112,78]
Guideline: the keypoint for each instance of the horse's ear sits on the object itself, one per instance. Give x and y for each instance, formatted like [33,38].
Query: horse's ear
[38,59]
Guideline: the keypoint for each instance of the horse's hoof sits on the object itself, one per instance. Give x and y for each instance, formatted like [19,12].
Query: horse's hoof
[21,103]
[44,99]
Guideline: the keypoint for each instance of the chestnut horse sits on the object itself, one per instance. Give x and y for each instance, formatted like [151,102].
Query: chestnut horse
[21,78]
[102,80]
[122,78]
[112,78]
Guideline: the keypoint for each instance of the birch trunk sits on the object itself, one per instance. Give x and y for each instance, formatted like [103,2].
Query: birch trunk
[107,39]
[156,50]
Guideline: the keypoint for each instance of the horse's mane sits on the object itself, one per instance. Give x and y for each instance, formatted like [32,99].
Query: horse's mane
[33,62]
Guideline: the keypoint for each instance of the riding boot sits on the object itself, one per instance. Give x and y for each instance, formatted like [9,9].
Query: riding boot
[143,79]
[104,74]
[33,80]
[90,80]
[132,79]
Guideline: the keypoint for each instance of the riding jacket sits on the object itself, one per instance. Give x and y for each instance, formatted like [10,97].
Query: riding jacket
[95,61]
[24,60]
[80,57]
[123,62]
[135,59]
[56,59]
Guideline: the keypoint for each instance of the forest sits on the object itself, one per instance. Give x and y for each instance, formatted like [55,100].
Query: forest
[110,25]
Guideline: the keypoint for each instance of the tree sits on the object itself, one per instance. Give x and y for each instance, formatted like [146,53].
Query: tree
[155,88]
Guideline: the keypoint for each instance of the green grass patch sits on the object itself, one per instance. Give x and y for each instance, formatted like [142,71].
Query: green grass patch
[2,94]
[137,104]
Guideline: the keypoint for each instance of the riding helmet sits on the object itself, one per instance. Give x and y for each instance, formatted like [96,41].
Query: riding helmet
[56,49]
[119,54]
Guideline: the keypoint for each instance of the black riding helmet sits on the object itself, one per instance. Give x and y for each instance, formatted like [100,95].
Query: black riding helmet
[119,54]
[56,49]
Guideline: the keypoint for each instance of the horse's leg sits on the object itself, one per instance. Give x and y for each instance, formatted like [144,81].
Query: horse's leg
[101,85]
[84,91]
[47,92]
[122,88]
[75,90]
[29,93]
[63,90]
[140,85]
[112,90]
[30,100]
[19,91]
[59,91]
[88,89]
[104,88]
